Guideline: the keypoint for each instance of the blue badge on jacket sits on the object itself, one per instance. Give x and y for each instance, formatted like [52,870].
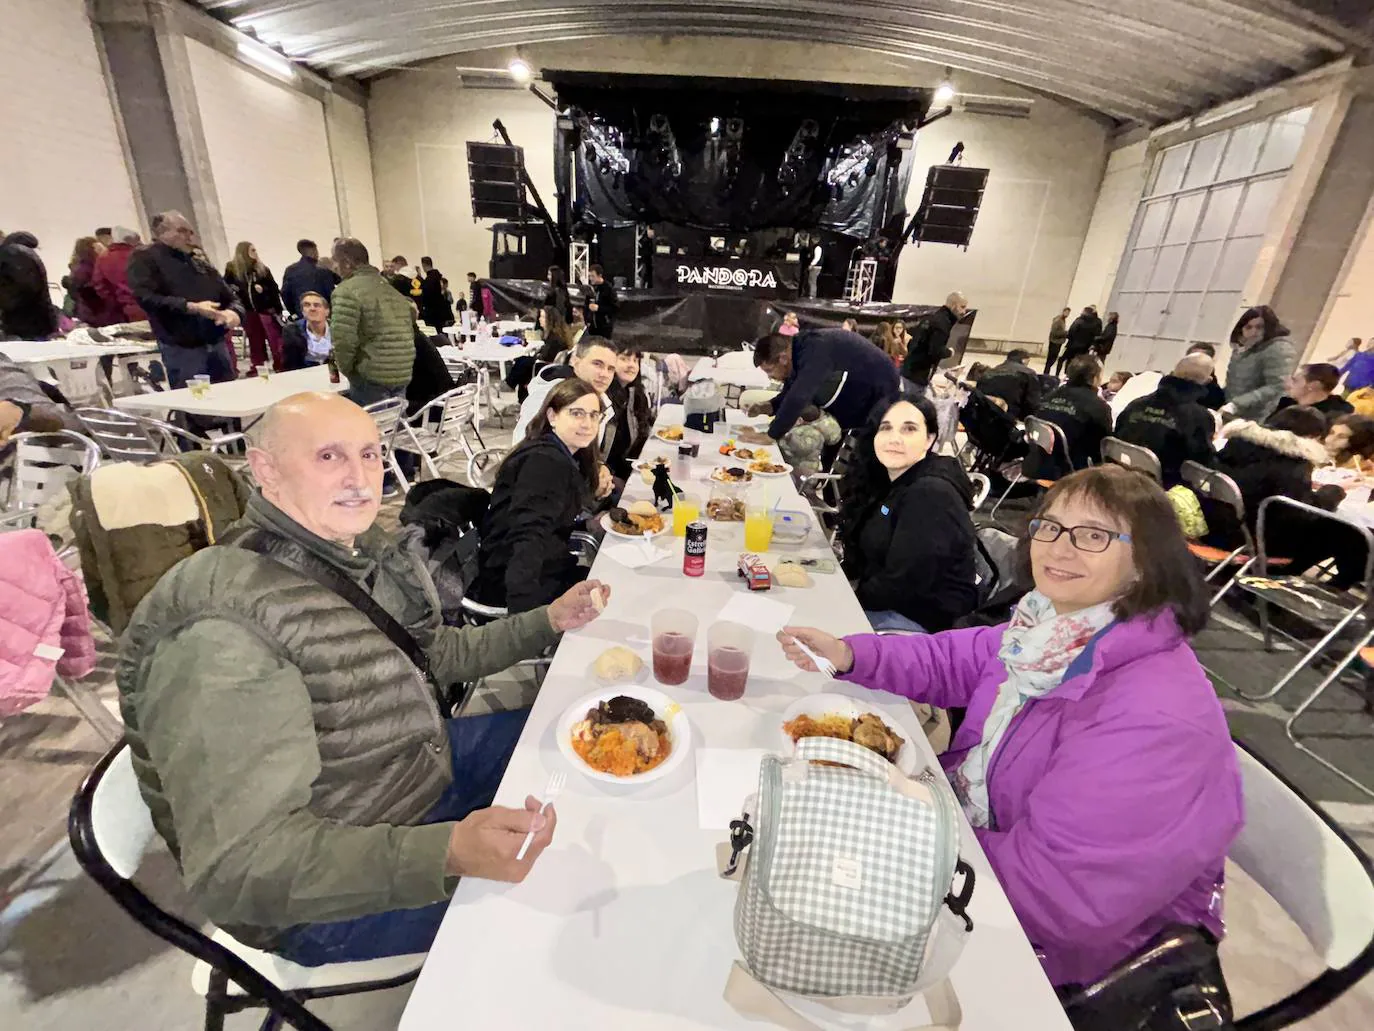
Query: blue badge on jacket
[884,510]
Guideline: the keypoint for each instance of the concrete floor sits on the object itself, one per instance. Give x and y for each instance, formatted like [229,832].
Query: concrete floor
[69,959]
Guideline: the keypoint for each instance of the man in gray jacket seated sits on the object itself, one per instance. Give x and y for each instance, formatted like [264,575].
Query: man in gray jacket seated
[294,758]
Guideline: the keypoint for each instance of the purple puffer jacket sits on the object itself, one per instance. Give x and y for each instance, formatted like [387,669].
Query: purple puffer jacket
[1114,797]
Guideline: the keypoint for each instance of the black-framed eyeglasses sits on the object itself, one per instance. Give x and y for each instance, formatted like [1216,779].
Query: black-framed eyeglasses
[1085,538]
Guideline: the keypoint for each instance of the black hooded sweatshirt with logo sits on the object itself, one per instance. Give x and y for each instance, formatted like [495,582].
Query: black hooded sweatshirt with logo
[913,551]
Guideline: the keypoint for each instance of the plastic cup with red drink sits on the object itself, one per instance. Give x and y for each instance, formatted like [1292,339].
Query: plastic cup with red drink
[729,647]
[674,634]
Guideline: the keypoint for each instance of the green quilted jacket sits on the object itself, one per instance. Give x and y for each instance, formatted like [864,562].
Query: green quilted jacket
[287,750]
[372,329]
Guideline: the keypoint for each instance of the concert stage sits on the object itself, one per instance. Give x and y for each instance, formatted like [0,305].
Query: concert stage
[706,322]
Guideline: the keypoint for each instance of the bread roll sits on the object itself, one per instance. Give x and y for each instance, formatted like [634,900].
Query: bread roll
[643,508]
[789,574]
[617,663]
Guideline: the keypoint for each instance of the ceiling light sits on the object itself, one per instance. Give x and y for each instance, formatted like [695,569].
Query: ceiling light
[944,92]
[266,59]
[520,70]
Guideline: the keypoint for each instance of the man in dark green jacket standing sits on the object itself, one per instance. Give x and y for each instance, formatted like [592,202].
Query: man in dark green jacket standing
[294,759]
[374,345]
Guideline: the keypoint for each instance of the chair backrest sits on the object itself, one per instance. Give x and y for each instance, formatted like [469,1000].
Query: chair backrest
[1317,521]
[459,406]
[1049,438]
[387,415]
[82,381]
[1209,483]
[1132,456]
[110,829]
[1297,854]
[982,487]
[122,437]
[483,465]
[44,463]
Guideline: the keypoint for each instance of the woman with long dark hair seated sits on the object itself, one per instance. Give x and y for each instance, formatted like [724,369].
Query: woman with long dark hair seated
[908,540]
[633,412]
[1095,763]
[543,485]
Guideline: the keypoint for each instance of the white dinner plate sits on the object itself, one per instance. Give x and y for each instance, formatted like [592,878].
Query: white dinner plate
[716,474]
[611,531]
[786,469]
[679,731]
[818,705]
[670,440]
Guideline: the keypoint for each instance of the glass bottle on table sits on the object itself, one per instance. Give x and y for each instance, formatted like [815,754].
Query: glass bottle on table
[333,368]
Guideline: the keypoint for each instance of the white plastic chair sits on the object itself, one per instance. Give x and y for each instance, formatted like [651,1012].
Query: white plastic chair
[111,829]
[1323,881]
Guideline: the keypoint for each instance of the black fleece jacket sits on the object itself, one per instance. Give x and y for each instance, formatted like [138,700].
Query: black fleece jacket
[524,560]
[1173,423]
[913,550]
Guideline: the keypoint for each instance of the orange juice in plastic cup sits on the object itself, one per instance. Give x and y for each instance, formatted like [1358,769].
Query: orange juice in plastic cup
[758,527]
[686,509]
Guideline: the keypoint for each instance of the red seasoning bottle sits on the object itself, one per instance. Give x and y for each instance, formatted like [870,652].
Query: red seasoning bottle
[694,549]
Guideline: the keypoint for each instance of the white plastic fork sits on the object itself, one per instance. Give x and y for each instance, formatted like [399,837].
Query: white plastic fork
[557,780]
[823,665]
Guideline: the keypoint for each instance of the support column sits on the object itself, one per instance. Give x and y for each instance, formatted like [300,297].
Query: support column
[1312,271]
[150,78]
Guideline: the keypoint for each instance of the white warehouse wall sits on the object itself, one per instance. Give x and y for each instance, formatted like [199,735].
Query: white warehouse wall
[64,171]
[269,153]
[1025,249]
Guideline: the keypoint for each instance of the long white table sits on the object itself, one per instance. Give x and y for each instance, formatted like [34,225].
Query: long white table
[41,352]
[623,922]
[237,399]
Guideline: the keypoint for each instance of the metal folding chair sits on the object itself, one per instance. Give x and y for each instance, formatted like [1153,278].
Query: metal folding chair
[111,828]
[1050,439]
[1132,456]
[982,487]
[1304,598]
[1220,488]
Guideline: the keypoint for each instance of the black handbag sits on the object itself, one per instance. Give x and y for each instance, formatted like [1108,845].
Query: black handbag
[1171,983]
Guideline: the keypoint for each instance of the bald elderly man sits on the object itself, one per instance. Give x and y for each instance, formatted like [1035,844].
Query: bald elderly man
[1173,422]
[295,760]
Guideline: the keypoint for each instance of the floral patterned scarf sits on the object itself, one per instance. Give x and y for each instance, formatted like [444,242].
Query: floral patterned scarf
[1037,647]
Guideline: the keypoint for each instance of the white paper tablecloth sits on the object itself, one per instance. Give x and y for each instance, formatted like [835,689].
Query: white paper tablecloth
[239,399]
[623,922]
[38,352]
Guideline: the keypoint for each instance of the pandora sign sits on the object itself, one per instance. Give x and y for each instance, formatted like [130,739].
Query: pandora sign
[753,279]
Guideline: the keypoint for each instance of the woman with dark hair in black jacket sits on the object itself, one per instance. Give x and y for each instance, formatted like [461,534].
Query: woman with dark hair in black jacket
[1273,459]
[633,412]
[909,543]
[543,485]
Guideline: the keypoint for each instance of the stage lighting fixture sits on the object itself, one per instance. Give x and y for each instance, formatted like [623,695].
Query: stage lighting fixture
[658,123]
[944,93]
[734,128]
[715,126]
[520,70]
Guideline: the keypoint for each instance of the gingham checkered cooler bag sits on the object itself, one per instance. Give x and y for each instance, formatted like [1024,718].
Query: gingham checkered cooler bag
[847,896]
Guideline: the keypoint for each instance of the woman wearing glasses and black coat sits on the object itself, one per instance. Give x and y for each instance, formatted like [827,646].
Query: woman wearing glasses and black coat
[1095,762]
[542,487]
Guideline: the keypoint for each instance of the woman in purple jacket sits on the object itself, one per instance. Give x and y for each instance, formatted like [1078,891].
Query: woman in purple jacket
[1095,763]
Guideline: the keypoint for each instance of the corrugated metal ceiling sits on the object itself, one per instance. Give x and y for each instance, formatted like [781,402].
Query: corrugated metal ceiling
[1145,61]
